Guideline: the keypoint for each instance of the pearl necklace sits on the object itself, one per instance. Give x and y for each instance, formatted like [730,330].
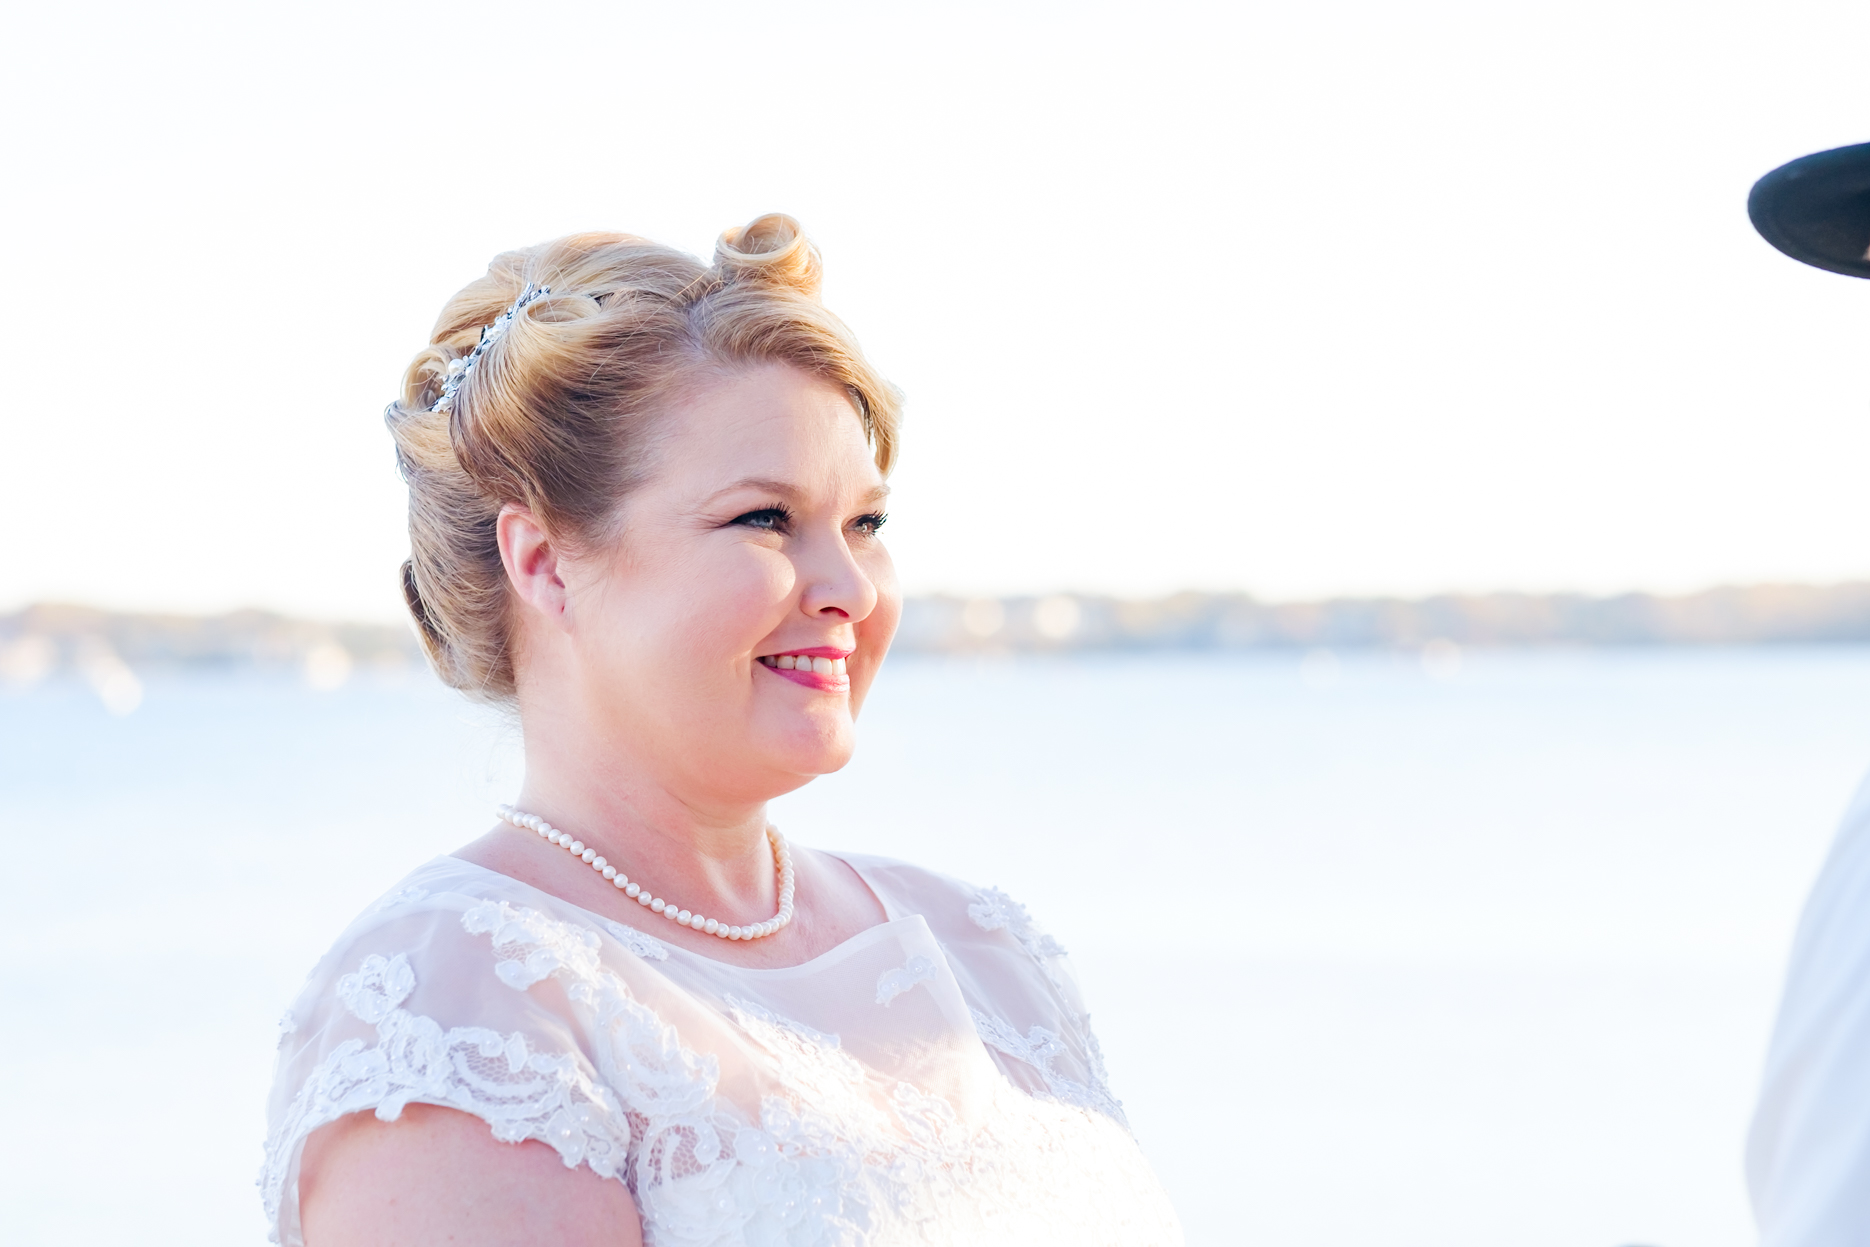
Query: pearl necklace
[782,866]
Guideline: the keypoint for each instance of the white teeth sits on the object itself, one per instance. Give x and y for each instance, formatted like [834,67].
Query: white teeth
[800,662]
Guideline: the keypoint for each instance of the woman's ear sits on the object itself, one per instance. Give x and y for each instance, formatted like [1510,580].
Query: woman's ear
[531,562]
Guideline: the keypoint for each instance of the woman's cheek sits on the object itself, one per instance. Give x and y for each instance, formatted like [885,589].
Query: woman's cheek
[766,589]
[873,642]
[746,603]
[879,628]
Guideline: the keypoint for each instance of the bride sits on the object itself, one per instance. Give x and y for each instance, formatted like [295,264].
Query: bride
[645,498]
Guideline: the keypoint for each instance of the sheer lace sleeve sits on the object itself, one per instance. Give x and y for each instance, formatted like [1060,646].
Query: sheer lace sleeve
[417,1003]
[1027,1006]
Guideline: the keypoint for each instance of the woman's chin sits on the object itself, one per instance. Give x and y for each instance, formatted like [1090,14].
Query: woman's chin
[812,763]
[812,749]
[780,772]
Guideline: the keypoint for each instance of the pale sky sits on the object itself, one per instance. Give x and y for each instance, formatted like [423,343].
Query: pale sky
[1296,299]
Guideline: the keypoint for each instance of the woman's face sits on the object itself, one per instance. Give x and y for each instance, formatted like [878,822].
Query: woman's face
[749,563]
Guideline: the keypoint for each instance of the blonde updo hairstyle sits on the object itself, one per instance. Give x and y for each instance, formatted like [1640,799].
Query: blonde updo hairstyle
[559,414]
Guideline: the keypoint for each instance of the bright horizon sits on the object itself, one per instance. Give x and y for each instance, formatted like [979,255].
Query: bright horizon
[1296,302]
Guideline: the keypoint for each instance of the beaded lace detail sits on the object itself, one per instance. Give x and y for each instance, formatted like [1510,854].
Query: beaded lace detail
[1038,1047]
[648,947]
[520,1093]
[893,983]
[994,910]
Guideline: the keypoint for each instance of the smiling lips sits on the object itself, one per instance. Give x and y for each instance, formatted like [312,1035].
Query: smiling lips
[823,669]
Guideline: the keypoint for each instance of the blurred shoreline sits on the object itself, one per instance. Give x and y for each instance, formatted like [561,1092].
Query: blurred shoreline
[108,648]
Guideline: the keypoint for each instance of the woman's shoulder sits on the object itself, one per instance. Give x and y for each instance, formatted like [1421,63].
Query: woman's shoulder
[953,908]
[1026,1004]
[991,938]
[438,888]
[463,989]
[452,899]
[439,883]
[463,943]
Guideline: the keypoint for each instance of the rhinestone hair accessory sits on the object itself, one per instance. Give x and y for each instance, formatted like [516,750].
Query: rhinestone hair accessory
[458,369]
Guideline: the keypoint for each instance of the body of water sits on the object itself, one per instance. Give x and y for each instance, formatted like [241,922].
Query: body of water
[1378,957]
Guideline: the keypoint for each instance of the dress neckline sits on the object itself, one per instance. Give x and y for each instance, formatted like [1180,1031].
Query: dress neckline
[892,919]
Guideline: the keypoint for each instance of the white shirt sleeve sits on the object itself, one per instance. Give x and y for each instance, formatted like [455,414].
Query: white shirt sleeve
[1808,1152]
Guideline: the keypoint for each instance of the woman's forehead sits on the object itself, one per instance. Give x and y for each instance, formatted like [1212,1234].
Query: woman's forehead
[773,427]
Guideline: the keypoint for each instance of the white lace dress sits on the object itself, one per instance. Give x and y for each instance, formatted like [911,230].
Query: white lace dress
[933,1079]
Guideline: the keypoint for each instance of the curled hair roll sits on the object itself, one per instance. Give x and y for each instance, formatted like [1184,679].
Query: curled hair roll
[774,250]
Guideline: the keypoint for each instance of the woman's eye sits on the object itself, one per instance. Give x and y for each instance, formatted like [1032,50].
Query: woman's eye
[774,519]
[870,524]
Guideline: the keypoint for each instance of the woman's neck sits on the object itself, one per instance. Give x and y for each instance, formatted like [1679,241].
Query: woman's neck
[706,851]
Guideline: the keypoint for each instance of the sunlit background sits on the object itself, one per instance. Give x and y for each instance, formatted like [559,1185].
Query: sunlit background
[1292,298]
[1295,300]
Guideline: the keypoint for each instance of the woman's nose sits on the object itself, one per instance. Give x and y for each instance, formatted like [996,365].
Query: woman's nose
[836,585]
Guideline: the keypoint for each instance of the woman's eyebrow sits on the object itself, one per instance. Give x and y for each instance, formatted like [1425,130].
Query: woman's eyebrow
[876,493]
[762,483]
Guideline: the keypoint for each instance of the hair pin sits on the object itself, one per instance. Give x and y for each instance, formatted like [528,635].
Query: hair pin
[458,369]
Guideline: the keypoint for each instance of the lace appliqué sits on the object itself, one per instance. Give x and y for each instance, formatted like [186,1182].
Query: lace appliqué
[881,1153]
[520,1093]
[531,946]
[648,947]
[701,1171]
[828,1155]
[893,983]
[379,985]
[904,1162]
[408,896]
[1038,1048]
[994,910]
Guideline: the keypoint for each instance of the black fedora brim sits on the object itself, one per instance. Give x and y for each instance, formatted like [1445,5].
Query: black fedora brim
[1817,209]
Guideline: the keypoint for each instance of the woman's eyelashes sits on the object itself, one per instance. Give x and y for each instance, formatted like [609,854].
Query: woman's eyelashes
[769,519]
[780,520]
